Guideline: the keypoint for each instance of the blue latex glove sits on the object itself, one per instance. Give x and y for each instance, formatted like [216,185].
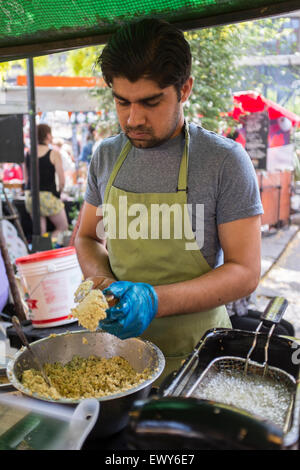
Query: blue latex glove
[133,313]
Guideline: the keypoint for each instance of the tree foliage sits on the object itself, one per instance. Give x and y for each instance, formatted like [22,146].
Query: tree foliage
[216,69]
[81,62]
[214,51]
[40,65]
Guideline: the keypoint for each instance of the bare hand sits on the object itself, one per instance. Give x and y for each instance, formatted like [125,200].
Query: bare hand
[101,282]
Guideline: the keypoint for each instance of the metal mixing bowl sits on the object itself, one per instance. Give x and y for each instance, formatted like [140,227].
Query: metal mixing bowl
[61,348]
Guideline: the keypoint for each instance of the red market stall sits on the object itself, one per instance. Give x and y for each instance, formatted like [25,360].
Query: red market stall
[265,132]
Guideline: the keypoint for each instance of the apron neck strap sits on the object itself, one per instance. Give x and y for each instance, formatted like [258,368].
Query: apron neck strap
[183,171]
[182,178]
[124,152]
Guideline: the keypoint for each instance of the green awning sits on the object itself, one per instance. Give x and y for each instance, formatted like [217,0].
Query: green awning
[37,27]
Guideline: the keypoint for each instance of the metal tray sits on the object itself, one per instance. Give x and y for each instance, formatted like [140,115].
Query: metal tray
[114,409]
[171,420]
[227,342]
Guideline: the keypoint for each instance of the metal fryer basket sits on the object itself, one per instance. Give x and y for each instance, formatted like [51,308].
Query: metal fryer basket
[237,364]
[218,345]
[247,368]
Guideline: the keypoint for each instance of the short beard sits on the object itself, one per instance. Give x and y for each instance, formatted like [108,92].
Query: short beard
[147,144]
[153,141]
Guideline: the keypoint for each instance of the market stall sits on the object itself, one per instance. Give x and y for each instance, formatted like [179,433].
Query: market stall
[266,131]
[62,101]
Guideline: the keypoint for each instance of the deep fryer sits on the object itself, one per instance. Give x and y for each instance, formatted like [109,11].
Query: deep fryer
[173,419]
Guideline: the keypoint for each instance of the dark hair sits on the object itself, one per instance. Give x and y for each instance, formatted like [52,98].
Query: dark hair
[150,48]
[42,131]
[233,135]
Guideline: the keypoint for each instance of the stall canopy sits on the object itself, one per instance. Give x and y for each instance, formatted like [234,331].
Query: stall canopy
[37,27]
[252,102]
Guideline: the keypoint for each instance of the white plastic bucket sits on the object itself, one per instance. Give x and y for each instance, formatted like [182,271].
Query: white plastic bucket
[51,278]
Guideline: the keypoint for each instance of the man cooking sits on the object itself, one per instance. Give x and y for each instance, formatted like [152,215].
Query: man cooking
[171,275]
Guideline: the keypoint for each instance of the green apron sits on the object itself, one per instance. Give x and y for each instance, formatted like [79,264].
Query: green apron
[158,260]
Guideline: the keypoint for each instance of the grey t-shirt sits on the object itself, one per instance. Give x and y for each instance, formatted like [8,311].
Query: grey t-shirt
[221,176]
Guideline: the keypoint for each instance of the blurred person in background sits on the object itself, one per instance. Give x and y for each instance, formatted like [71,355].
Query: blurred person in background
[50,168]
[67,161]
[87,149]
[100,134]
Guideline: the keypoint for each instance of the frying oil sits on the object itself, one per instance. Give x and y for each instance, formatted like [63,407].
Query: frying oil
[261,396]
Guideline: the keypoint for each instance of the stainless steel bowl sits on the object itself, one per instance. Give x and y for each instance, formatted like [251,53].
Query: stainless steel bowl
[61,348]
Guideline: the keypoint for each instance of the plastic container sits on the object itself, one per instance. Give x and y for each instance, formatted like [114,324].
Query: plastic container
[50,278]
